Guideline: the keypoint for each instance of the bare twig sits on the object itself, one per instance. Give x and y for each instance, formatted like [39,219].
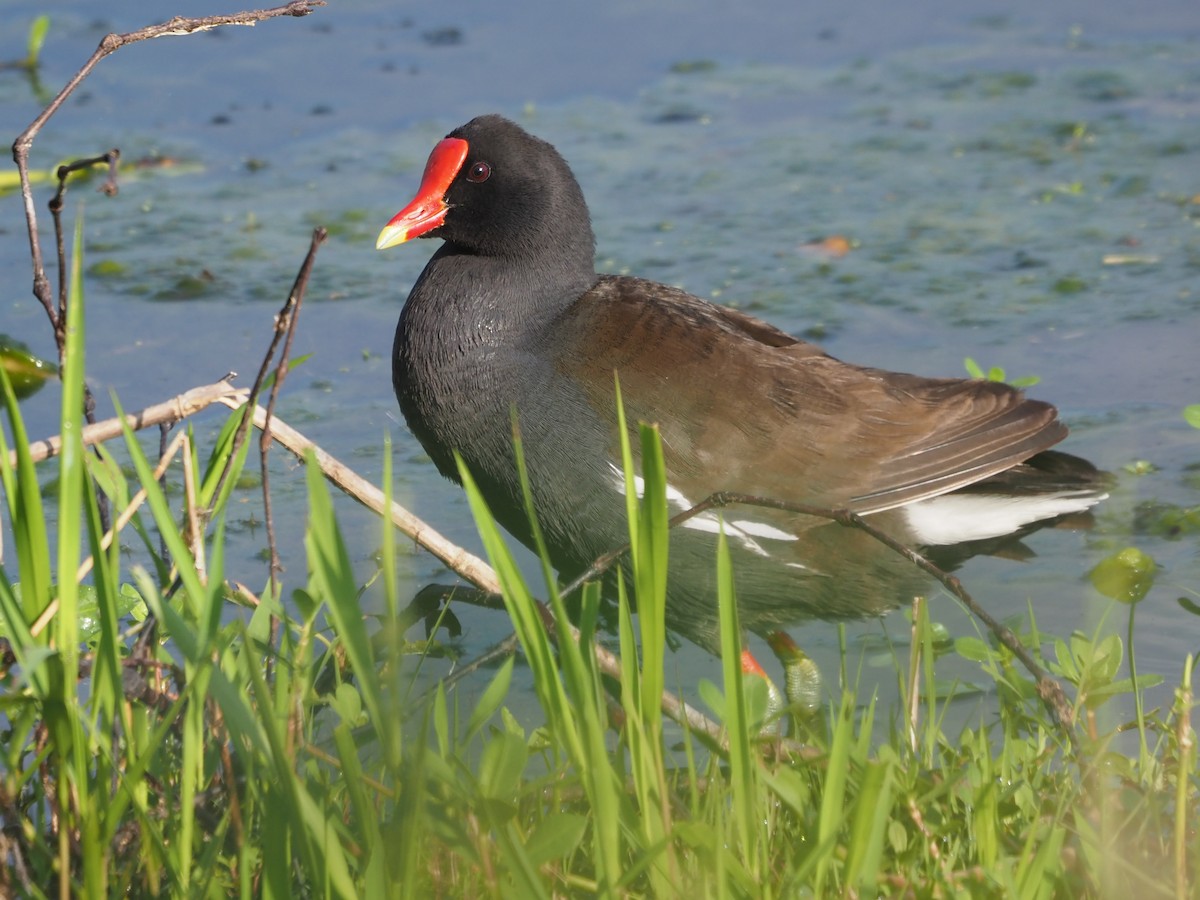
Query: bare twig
[285,325]
[24,142]
[63,174]
[494,653]
[913,710]
[471,567]
[110,44]
[229,775]
[180,407]
[466,564]
[285,330]
[58,320]
[58,316]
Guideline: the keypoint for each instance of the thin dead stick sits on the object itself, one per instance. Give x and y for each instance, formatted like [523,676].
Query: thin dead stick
[285,328]
[285,322]
[111,158]
[110,44]
[466,564]
[177,408]
[914,678]
[59,322]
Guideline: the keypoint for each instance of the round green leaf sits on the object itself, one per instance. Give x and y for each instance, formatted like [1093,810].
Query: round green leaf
[1125,576]
[26,372]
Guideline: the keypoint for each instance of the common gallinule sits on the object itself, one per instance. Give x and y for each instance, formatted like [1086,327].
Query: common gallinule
[510,313]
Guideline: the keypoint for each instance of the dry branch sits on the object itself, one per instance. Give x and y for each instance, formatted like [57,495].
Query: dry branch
[21,147]
[459,560]
[285,331]
[174,410]
[110,44]
[466,564]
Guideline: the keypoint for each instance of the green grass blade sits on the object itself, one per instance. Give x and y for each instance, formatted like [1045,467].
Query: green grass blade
[107,691]
[1184,778]
[873,807]
[15,620]
[833,797]
[332,581]
[527,622]
[26,514]
[412,811]
[314,833]
[71,470]
[491,699]
[629,466]
[245,725]
[365,817]
[642,687]
[742,764]
[579,721]
[218,459]
[387,544]
[650,573]
[37,37]
[393,631]
[194,591]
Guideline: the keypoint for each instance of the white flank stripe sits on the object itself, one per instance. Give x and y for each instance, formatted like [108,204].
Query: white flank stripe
[763,530]
[744,530]
[953,518]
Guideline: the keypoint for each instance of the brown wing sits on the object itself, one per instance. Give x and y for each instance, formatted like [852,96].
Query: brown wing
[745,407]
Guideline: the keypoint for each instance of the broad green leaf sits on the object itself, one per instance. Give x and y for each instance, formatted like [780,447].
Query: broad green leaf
[871,816]
[1126,576]
[504,759]
[973,648]
[555,837]
[27,372]
[491,699]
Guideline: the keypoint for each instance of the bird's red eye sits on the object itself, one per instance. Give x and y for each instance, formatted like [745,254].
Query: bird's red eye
[479,172]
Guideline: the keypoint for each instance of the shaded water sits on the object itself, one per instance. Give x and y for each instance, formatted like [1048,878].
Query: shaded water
[983,167]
